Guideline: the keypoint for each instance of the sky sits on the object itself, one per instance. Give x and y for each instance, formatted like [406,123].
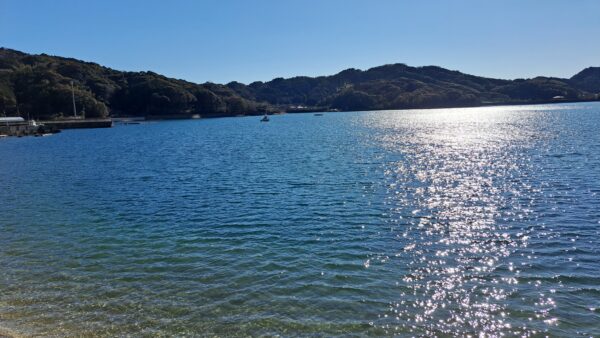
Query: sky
[257,40]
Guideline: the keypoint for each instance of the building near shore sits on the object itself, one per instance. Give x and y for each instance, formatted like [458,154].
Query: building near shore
[11,119]
[17,126]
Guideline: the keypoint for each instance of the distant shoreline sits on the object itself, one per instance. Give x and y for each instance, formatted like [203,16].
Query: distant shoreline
[95,123]
[491,104]
[309,111]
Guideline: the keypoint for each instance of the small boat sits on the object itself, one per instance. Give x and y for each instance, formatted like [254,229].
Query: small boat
[318,114]
[265,118]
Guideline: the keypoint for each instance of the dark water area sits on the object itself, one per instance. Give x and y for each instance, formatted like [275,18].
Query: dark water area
[434,222]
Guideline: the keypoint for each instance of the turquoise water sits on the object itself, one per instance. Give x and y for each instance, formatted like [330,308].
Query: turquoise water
[436,222]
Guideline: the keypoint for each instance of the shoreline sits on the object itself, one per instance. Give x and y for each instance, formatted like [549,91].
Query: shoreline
[489,104]
[109,122]
[79,124]
[323,110]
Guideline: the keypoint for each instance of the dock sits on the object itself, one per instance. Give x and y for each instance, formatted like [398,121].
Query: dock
[17,126]
[79,123]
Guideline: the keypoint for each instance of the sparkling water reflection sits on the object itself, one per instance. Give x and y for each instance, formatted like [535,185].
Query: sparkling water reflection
[439,222]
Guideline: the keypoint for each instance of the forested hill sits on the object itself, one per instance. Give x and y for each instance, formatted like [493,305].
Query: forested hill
[40,86]
[400,86]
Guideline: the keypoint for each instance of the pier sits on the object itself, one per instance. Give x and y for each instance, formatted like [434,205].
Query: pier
[17,126]
[79,123]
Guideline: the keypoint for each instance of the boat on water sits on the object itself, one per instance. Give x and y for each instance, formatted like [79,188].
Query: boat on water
[318,114]
[265,118]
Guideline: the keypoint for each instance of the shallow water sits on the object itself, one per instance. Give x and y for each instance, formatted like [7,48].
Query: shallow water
[435,222]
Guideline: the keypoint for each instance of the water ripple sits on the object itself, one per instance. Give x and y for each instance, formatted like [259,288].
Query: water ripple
[449,222]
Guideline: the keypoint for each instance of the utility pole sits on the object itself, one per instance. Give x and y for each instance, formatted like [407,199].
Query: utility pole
[73,96]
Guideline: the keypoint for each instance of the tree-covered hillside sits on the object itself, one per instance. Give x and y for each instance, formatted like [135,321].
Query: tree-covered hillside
[588,79]
[400,86]
[39,86]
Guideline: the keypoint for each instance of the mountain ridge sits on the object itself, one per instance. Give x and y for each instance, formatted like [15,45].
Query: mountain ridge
[40,86]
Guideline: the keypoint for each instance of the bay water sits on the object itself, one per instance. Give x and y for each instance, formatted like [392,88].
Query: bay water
[443,222]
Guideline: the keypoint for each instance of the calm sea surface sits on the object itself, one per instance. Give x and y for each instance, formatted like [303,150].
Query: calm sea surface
[436,222]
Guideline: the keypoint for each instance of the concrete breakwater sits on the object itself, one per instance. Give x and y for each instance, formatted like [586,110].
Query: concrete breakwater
[76,124]
[19,127]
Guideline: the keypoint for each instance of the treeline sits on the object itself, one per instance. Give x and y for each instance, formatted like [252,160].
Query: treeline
[399,86]
[39,86]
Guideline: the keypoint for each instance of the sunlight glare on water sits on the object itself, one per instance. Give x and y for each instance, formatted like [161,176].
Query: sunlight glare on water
[452,192]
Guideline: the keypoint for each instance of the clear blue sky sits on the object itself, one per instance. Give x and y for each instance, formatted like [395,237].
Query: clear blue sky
[248,40]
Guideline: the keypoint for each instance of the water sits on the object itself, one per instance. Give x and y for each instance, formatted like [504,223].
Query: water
[437,222]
